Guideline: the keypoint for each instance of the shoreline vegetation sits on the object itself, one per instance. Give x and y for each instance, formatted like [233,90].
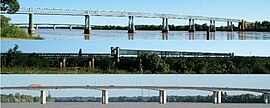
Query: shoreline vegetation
[15,62]
[242,98]
[263,26]
[10,32]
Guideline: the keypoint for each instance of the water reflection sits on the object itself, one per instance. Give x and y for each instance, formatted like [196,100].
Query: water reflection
[131,36]
[191,36]
[165,36]
[49,34]
[87,36]
[230,36]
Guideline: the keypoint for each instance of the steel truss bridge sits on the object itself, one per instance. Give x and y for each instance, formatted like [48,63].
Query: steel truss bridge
[109,13]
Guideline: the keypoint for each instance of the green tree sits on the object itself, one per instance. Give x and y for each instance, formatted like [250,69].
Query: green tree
[11,6]
[153,63]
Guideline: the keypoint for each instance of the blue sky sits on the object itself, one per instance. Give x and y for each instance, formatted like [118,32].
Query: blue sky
[249,10]
[242,48]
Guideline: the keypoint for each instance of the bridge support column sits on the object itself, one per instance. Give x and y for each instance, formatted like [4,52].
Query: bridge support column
[70,27]
[117,54]
[241,25]
[165,25]
[191,25]
[87,26]
[36,27]
[216,97]
[62,63]
[162,97]
[54,27]
[31,29]
[212,26]
[230,26]
[42,97]
[266,98]
[131,26]
[105,98]
[93,63]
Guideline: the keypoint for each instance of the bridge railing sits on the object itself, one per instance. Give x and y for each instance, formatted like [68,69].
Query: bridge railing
[81,12]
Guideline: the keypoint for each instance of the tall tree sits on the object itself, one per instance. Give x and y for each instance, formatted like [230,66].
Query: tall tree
[11,6]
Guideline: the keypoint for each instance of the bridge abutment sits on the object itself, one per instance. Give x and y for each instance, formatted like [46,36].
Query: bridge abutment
[266,98]
[217,97]
[165,25]
[162,97]
[87,26]
[191,25]
[105,98]
[43,97]
[131,26]
[31,29]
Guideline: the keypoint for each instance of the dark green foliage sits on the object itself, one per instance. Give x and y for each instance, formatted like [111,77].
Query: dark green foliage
[144,64]
[153,63]
[11,6]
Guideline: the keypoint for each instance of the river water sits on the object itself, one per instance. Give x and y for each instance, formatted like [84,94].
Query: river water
[75,34]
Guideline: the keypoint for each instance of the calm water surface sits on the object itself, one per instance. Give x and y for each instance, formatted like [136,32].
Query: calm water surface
[66,34]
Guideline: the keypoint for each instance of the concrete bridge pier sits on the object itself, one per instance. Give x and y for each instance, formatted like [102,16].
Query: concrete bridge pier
[266,98]
[87,26]
[217,97]
[43,97]
[54,27]
[191,25]
[93,63]
[36,27]
[117,54]
[105,98]
[31,29]
[212,26]
[165,25]
[62,63]
[131,26]
[241,25]
[70,27]
[162,97]
[230,26]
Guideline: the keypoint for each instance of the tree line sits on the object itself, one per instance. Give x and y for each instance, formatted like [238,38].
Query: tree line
[144,64]
[243,98]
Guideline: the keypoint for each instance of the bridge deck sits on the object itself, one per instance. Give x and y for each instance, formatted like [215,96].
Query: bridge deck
[78,12]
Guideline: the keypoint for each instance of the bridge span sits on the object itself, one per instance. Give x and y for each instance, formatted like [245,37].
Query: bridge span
[130,15]
[162,91]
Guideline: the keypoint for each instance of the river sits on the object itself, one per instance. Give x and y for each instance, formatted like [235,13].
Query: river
[75,34]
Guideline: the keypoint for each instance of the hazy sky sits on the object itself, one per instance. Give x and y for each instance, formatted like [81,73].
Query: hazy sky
[249,10]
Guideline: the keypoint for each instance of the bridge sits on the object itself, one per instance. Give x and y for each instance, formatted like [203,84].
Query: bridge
[130,15]
[162,91]
[117,53]
[54,25]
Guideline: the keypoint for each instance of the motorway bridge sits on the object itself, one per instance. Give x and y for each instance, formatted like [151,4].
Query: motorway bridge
[162,91]
[130,15]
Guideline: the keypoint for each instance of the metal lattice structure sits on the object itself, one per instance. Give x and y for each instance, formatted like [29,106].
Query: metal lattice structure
[175,53]
[63,55]
[81,12]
